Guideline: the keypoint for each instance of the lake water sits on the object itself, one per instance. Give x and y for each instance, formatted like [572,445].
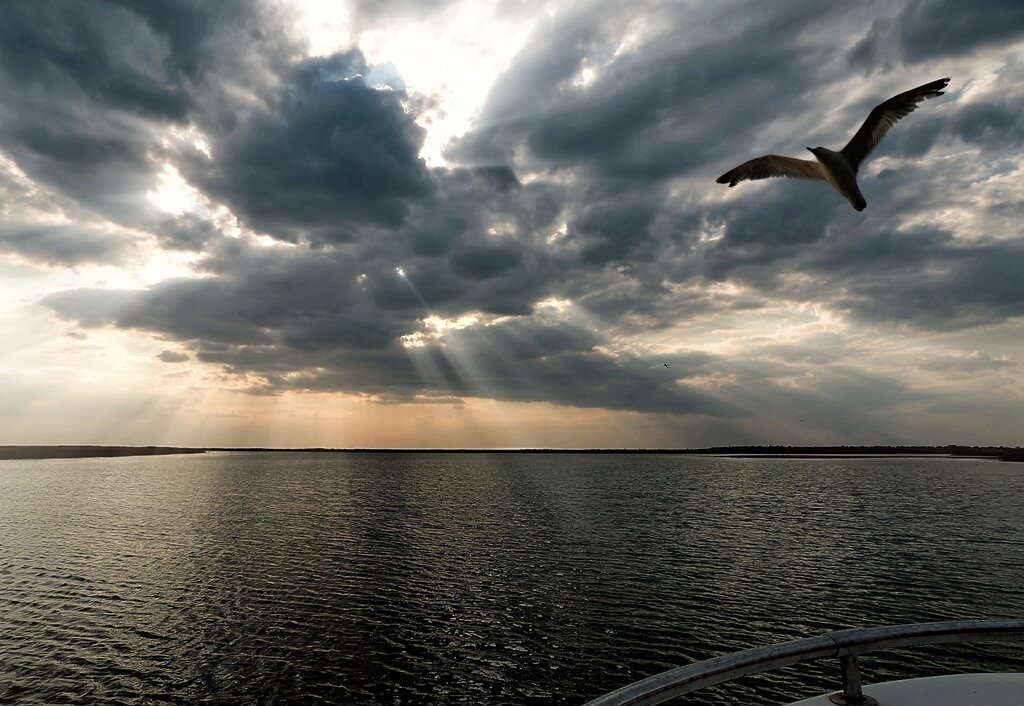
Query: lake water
[505,579]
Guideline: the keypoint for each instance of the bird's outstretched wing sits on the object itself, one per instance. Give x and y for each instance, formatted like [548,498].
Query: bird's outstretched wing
[772,165]
[884,116]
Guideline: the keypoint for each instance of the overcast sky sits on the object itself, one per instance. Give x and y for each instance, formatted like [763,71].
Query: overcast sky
[412,223]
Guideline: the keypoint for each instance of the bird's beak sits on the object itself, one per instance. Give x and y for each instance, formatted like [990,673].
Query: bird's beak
[810,149]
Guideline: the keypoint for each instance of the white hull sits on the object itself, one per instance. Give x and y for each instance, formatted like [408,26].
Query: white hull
[951,690]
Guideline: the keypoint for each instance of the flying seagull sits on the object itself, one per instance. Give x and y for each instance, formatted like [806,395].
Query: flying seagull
[839,168]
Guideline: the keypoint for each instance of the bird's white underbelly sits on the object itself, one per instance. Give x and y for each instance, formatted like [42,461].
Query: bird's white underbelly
[838,173]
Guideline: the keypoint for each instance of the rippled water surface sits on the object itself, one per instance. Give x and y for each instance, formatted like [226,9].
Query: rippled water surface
[405,579]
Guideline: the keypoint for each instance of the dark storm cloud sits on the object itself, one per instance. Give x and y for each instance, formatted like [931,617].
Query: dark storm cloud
[187,26]
[956,286]
[306,320]
[470,245]
[934,30]
[502,177]
[83,85]
[294,341]
[247,304]
[924,278]
[92,89]
[188,231]
[522,339]
[585,379]
[654,112]
[992,124]
[611,231]
[67,245]
[797,242]
[520,360]
[662,110]
[945,28]
[769,232]
[172,357]
[294,297]
[650,112]
[44,228]
[486,262]
[864,51]
[327,148]
[92,51]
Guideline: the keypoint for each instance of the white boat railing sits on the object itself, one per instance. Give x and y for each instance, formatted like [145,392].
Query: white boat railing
[844,645]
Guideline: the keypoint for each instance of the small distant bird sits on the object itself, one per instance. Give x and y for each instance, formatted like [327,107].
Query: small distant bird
[665,364]
[839,168]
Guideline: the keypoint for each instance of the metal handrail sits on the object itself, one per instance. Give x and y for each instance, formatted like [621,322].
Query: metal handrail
[844,644]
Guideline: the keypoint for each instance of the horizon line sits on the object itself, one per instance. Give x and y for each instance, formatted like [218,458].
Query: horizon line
[55,451]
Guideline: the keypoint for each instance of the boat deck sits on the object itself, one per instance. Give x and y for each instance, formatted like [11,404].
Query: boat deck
[847,645]
[950,690]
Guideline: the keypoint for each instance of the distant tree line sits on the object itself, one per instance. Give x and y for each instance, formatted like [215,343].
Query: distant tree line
[29,452]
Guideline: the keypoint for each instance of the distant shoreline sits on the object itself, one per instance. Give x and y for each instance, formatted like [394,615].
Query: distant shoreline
[8,453]
[1004,453]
